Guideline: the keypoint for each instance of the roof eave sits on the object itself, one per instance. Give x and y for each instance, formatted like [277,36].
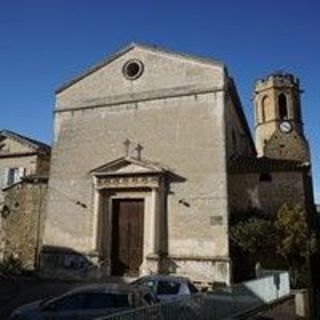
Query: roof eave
[38,146]
[239,109]
[94,68]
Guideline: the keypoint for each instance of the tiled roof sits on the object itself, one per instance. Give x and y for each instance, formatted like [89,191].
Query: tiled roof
[242,164]
[37,145]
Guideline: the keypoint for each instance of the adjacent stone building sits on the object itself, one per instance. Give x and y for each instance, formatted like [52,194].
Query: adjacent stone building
[152,154]
[281,171]
[23,220]
[21,156]
[24,171]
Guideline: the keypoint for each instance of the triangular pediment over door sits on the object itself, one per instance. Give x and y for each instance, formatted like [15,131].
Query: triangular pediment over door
[129,173]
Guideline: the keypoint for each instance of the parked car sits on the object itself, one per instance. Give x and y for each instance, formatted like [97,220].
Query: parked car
[167,288]
[87,302]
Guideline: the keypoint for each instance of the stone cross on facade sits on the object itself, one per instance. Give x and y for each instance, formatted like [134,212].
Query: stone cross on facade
[126,145]
[138,150]
[128,150]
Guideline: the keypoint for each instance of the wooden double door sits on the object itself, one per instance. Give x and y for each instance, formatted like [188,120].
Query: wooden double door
[127,236]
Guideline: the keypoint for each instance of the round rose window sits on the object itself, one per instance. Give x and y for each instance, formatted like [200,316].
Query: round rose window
[133,69]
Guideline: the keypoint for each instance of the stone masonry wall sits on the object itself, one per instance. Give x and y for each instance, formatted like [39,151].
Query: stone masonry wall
[246,191]
[23,221]
[172,133]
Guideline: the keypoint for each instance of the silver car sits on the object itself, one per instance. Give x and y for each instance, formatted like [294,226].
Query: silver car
[87,302]
[167,288]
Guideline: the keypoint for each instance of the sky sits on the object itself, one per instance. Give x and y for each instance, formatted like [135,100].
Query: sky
[44,43]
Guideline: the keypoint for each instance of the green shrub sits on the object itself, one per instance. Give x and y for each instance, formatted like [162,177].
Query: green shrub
[10,265]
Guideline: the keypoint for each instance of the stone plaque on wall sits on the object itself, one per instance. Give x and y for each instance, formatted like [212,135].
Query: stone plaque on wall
[216,220]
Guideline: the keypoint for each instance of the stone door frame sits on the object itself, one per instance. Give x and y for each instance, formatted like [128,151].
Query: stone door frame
[150,187]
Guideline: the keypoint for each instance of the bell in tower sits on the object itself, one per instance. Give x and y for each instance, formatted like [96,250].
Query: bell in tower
[278,120]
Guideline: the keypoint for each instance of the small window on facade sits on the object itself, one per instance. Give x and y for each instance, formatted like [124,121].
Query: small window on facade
[265,177]
[133,69]
[282,103]
[14,175]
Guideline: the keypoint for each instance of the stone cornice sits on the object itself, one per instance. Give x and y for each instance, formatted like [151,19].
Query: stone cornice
[143,97]
[199,258]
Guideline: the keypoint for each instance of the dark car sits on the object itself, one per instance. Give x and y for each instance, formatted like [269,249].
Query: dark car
[87,302]
[167,288]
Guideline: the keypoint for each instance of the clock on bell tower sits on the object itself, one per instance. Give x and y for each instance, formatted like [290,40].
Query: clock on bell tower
[278,120]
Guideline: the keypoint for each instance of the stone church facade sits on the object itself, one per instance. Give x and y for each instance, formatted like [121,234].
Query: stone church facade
[152,154]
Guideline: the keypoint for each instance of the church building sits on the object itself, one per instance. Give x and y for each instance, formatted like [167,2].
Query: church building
[152,155]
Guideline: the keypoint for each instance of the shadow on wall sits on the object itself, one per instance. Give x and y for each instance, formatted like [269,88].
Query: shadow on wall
[66,263]
[167,265]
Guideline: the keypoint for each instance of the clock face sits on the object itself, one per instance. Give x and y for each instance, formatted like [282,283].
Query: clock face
[285,126]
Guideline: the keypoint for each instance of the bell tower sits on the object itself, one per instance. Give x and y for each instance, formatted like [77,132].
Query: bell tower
[278,120]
